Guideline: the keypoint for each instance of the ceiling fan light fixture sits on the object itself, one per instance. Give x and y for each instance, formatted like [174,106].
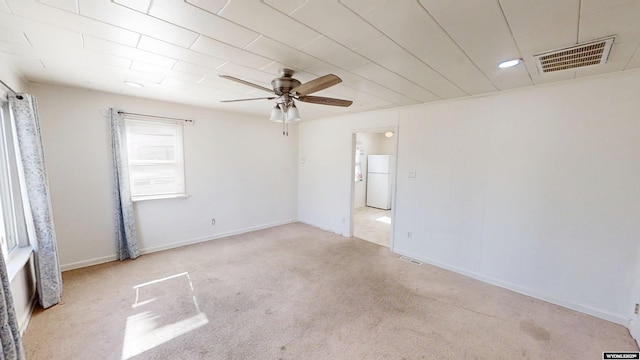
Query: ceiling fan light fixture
[276,114]
[509,63]
[292,113]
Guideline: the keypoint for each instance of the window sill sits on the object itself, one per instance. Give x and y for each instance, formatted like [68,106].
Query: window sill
[17,259]
[160,197]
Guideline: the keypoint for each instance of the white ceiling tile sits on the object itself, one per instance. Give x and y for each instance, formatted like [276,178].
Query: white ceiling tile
[249,74]
[212,6]
[434,47]
[224,51]
[190,17]
[281,53]
[388,54]
[83,58]
[90,57]
[64,65]
[66,5]
[362,6]
[165,73]
[171,84]
[480,29]
[3,6]
[620,20]
[137,5]
[135,21]
[510,78]
[194,69]
[592,7]
[542,25]
[363,84]
[285,6]
[634,63]
[231,90]
[395,82]
[261,18]
[333,53]
[14,36]
[336,22]
[30,11]
[53,38]
[143,77]
[111,48]
[166,49]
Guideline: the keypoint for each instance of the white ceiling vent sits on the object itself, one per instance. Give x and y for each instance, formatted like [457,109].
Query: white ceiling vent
[585,54]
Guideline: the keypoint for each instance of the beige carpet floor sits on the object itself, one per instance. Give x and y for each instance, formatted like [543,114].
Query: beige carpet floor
[297,292]
[372,224]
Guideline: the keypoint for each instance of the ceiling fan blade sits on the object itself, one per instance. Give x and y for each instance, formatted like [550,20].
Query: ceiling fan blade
[262,98]
[318,84]
[246,83]
[325,101]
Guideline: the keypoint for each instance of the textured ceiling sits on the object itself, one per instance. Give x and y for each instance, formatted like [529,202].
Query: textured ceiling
[388,53]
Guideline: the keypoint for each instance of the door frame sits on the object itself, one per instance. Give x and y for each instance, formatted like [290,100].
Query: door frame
[393,177]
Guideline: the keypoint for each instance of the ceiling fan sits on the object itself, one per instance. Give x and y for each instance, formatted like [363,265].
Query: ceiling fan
[286,89]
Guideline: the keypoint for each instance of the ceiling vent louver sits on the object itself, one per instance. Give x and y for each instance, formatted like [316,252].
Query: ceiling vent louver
[585,54]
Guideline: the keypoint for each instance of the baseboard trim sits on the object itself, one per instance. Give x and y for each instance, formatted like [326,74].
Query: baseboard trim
[89,262]
[105,259]
[214,237]
[602,314]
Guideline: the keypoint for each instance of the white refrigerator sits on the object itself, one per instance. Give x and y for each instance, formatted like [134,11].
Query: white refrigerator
[378,181]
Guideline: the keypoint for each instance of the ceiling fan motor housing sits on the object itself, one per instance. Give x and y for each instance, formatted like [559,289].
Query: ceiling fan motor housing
[284,83]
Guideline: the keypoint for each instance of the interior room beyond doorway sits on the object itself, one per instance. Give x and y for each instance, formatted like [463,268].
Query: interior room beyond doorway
[373,176]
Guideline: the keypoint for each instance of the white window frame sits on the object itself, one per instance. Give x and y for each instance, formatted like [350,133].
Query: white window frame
[178,161]
[12,210]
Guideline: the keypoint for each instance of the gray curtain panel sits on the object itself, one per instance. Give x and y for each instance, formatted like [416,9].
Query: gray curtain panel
[43,238]
[125,227]
[9,332]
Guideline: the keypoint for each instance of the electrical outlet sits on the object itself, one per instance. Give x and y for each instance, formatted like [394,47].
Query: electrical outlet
[409,235]
[637,310]
[213,221]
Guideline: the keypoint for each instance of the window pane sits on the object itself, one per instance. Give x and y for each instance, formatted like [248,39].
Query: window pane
[155,158]
[8,230]
[154,180]
[147,143]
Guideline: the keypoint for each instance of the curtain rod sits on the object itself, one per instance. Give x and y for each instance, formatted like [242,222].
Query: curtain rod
[154,116]
[10,89]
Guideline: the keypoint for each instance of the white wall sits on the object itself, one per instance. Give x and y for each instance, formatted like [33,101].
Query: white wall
[534,189]
[240,170]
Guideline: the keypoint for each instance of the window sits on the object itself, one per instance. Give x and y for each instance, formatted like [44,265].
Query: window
[156,165]
[13,232]
[358,163]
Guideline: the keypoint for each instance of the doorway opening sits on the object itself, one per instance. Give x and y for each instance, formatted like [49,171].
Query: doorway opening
[374,184]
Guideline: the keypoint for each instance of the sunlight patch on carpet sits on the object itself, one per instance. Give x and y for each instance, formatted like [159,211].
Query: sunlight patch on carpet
[150,326]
